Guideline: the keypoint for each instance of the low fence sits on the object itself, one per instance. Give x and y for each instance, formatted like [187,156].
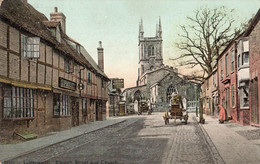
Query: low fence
[192,105]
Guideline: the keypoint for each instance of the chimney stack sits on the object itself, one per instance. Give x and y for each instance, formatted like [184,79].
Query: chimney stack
[60,17]
[100,51]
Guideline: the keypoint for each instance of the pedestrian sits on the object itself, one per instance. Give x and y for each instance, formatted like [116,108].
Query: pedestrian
[222,114]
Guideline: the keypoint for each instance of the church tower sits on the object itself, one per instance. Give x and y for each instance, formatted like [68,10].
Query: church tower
[150,50]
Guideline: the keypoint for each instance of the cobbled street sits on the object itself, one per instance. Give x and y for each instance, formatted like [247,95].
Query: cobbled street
[139,139]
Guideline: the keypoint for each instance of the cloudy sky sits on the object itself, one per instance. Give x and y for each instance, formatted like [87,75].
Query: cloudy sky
[116,22]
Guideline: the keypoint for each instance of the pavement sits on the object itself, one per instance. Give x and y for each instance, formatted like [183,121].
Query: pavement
[10,151]
[235,143]
[228,143]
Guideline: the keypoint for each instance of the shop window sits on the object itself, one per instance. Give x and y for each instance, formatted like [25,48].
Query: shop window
[84,107]
[30,46]
[18,102]
[244,94]
[68,65]
[61,105]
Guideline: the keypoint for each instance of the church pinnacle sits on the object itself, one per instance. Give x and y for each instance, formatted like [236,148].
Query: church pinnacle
[141,30]
[160,28]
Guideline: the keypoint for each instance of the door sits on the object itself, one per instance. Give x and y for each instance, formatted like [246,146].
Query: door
[75,112]
[97,111]
[228,102]
[254,101]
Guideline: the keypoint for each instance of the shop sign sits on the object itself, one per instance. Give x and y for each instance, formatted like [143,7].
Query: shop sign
[118,83]
[67,84]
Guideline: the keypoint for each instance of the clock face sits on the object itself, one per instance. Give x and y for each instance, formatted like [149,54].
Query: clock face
[151,61]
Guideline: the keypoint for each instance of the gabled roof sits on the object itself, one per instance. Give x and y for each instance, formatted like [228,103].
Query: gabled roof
[23,16]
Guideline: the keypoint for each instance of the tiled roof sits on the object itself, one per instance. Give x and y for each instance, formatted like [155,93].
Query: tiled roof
[22,15]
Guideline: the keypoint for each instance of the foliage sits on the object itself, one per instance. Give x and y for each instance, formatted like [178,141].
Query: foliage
[205,35]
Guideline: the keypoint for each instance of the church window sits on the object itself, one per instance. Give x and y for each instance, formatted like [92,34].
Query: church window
[151,50]
[142,69]
[170,91]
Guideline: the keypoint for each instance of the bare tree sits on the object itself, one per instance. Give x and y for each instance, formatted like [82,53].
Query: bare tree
[205,36]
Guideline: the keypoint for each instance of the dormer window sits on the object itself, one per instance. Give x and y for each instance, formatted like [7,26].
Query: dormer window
[30,46]
[68,65]
[78,48]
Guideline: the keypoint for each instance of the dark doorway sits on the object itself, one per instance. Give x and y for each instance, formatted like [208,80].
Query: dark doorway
[97,111]
[75,112]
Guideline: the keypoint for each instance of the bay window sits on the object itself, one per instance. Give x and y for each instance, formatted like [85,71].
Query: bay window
[18,102]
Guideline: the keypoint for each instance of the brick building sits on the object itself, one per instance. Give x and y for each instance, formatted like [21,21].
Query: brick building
[227,80]
[48,81]
[254,55]
[209,90]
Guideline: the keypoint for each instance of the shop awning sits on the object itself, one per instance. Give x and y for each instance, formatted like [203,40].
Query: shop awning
[23,84]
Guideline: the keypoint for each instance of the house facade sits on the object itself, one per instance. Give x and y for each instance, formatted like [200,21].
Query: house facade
[227,81]
[242,49]
[209,90]
[48,81]
[254,55]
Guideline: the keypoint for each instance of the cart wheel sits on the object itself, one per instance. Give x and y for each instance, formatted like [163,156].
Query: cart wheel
[166,121]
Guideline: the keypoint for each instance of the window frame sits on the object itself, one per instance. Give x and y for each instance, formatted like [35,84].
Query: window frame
[232,69]
[226,64]
[64,105]
[243,58]
[30,45]
[19,103]
[221,70]
[84,107]
[233,96]
[89,78]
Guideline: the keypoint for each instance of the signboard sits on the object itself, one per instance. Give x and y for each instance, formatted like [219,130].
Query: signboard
[67,84]
[118,83]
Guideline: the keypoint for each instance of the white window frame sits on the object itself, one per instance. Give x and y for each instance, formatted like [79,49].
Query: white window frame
[30,46]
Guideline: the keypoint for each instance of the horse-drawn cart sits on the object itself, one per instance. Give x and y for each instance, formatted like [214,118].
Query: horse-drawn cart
[176,111]
[144,107]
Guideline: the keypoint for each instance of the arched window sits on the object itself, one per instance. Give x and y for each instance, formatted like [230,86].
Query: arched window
[137,95]
[170,90]
[150,50]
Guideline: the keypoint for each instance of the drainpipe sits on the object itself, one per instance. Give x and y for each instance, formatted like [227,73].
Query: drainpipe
[236,71]
[81,69]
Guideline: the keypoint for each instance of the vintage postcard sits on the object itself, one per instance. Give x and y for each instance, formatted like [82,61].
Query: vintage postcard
[129,81]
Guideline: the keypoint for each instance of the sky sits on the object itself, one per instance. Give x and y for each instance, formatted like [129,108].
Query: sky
[116,24]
